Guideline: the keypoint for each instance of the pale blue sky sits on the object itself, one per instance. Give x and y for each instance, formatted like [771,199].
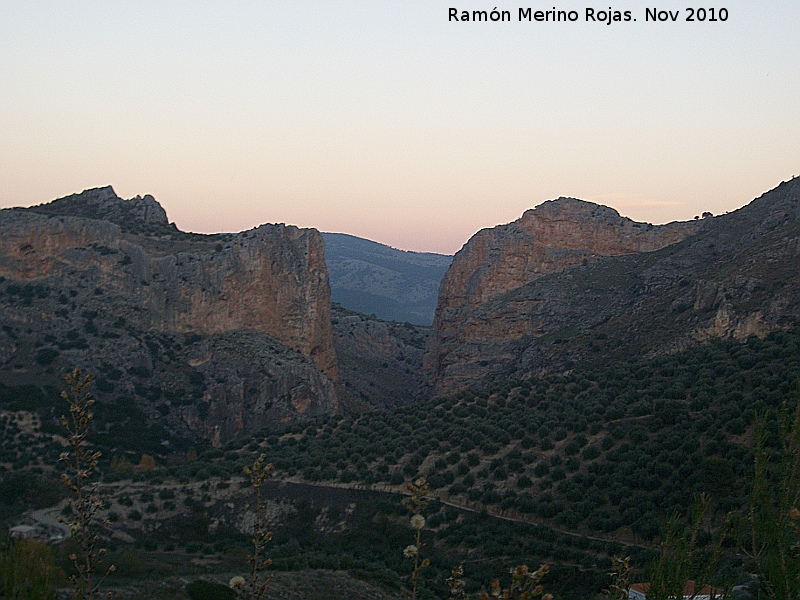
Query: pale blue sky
[385,120]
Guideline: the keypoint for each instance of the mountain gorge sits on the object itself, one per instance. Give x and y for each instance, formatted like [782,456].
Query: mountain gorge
[221,335]
[585,376]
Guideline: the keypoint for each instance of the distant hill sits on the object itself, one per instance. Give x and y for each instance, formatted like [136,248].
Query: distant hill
[392,284]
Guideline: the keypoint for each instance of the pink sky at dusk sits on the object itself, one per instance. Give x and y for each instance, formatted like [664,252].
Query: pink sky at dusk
[386,120]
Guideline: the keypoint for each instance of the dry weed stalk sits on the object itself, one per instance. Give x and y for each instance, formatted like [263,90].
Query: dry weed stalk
[81,462]
[416,503]
[456,583]
[525,585]
[256,586]
[620,578]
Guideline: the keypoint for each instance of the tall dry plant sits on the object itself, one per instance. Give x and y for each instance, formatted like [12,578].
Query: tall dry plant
[456,583]
[525,585]
[416,503]
[81,462]
[621,572]
[773,517]
[27,570]
[255,587]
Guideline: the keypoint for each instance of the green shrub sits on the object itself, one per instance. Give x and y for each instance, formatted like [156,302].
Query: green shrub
[46,356]
[206,590]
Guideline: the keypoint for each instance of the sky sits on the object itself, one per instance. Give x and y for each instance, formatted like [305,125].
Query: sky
[389,120]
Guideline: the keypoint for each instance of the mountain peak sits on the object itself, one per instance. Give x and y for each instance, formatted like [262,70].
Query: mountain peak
[142,214]
[537,293]
[575,210]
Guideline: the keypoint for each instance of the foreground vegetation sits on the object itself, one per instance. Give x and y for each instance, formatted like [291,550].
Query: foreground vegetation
[569,470]
[611,450]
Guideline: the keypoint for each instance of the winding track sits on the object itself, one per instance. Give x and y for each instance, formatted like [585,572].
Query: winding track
[400,491]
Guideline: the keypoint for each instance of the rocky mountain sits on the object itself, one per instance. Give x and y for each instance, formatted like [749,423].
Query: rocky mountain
[573,282]
[218,335]
[136,215]
[393,285]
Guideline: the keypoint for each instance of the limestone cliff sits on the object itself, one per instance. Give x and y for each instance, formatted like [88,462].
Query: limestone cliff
[270,279]
[550,238]
[574,283]
[129,263]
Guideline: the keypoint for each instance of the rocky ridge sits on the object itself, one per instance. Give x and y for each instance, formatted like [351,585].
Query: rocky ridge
[531,295]
[136,215]
[130,288]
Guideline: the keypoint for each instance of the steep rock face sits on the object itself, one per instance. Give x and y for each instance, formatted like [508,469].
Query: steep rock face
[261,295]
[555,236]
[547,239]
[730,276]
[249,383]
[271,279]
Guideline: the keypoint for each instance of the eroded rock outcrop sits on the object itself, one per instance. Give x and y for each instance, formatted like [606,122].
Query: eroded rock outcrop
[129,265]
[270,279]
[550,238]
[572,283]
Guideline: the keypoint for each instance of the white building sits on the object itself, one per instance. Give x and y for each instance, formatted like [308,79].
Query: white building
[638,591]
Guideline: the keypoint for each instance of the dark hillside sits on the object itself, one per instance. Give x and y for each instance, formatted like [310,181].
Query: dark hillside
[380,362]
[608,450]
